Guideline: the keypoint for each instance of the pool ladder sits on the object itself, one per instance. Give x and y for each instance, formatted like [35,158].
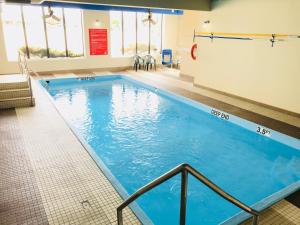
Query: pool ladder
[185,169]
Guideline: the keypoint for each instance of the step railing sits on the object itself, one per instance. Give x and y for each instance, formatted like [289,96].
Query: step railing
[185,169]
[24,69]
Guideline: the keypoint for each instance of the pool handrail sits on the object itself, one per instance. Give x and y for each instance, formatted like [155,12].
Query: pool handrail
[185,169]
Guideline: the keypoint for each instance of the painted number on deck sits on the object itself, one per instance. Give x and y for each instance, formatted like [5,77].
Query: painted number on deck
[263,131]
[86,78]
[220,114]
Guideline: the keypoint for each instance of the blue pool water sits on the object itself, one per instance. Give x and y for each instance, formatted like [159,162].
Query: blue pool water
[140,133]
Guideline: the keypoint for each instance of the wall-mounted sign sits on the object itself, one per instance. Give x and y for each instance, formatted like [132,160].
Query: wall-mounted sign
[98,41]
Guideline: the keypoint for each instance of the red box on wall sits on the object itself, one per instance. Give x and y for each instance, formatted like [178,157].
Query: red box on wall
[98,41]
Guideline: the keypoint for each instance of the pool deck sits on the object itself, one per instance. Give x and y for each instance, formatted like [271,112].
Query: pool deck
[47,177]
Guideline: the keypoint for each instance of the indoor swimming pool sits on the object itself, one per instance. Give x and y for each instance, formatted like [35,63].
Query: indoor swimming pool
[136,132]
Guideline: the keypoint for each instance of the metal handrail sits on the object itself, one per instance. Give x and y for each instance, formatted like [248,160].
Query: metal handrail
[25,71]
[184,169]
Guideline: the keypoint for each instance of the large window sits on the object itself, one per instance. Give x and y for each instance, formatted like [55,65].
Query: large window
[39,35]
[131,33]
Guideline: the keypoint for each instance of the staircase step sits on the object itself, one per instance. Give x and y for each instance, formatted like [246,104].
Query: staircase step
[16,102]
[14,93]
[15,81]
[18,85]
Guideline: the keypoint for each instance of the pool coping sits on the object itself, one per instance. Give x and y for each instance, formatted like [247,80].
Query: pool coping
[249,125]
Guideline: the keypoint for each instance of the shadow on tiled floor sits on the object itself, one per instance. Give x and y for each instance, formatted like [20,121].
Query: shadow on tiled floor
[294,199]
[20,201]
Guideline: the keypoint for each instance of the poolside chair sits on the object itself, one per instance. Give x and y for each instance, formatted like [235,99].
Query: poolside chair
[138,62]
[150,62]
[167,57]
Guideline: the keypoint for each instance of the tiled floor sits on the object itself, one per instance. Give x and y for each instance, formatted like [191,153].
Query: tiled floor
[20,199]
[282,213]
[64,181]
[71,188]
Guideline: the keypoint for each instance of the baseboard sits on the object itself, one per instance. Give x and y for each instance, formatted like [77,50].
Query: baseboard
[187,77]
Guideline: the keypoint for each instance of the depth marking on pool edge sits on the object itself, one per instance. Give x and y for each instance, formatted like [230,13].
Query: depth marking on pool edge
[90,77]
[219,114]
[263,131]
[259,129]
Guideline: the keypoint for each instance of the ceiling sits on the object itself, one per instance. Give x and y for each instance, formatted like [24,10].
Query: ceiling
[201,5]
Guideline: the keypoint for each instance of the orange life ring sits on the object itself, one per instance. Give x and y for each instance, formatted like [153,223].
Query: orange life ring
[194,47]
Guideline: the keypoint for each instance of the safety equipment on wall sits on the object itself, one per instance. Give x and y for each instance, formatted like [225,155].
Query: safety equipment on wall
[242,36]
[193,49]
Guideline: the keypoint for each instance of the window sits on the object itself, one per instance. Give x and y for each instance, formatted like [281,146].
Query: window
[74,34]
[129,25]
[156,34]
[36,41]
[143,30]
[55,34]
[116,33]
[41,37]
[12,27]
[131,34]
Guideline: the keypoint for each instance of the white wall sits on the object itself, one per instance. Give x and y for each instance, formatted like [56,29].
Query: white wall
[86,62]
[170,31]
[187,23]
[250,69]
